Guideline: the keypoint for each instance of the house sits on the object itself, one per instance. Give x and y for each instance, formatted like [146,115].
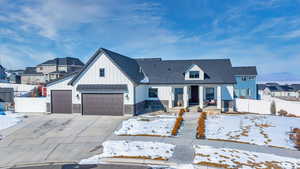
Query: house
[14,76]
[2,73]
[277,90]
[246,82]
[31,76]
[113,84]
[50,70]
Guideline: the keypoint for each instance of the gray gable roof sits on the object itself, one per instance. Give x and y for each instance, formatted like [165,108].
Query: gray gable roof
[296,87]
[31,71]
[63,61]
[172,71]
[127,65]
[245,70]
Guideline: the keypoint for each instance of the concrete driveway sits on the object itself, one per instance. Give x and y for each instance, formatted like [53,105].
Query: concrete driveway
[55,138]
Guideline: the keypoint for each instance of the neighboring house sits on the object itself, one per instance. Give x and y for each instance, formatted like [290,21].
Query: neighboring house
[14,76]
[260,91]
[51,70]
[2,73]
[113,84]
[245,82]
[276,90]
[30,76]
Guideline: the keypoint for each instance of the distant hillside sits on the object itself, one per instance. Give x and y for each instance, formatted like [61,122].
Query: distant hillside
[280,77]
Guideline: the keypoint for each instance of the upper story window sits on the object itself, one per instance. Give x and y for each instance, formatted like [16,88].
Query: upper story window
[251,77]
[41,68]
[102,72]
[244,78]
[194,74]
[153,92]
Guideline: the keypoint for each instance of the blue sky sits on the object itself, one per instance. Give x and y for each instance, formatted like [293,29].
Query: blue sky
[249,32]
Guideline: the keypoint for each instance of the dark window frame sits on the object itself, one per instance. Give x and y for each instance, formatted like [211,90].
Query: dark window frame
[102,72]
[194,74]
[153,92]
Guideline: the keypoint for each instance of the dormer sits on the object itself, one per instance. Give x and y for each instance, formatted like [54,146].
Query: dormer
[194,72]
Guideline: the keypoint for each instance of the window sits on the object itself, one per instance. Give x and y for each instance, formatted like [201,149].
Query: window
[251,77]
[210,93]
[152,92]
[41,68]
[102,72]
[194,74]
[244,78]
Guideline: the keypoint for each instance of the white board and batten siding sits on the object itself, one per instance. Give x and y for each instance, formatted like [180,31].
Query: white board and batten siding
[59,85]
[113,75]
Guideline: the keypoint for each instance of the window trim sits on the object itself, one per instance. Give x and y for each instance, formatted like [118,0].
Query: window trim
[194,76]
[101,70]
[150,94]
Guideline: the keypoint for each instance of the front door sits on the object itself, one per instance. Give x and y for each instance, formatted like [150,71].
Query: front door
[194,95]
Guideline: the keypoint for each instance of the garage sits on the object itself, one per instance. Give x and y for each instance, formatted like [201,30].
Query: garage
[102,104]
[61,101]
[102,99]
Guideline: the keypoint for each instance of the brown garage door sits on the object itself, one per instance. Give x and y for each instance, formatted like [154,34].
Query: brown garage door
[61,101]
[102,104]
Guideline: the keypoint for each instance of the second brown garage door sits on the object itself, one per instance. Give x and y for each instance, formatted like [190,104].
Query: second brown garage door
[102,104]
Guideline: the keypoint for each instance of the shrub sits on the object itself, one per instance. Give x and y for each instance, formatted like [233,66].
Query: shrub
[282,113]
[177,125]
[181,112]
[295,137]
[291,115]
[273,108]
[201,126]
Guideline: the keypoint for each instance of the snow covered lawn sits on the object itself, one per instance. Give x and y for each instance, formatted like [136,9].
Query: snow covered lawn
[160,125]
[254,129]
[233,158]
[10,119]
[134,149]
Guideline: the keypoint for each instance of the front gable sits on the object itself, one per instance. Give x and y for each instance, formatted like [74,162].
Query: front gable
[112,75]
[196,68]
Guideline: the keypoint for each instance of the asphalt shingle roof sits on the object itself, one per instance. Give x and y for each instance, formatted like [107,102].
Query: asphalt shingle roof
[63,61]
[31,71]
[172,71]
[245,70]
[160,71]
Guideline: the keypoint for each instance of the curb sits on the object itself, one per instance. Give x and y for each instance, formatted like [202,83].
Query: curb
[38,164]
[136,161]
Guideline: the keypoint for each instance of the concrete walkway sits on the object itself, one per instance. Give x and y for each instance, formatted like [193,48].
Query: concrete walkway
[184,142]
[55,138]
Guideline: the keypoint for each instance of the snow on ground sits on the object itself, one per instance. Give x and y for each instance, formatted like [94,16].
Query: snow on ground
[233,158]
[134,149]
[253,129]
[10,119]
[161,125]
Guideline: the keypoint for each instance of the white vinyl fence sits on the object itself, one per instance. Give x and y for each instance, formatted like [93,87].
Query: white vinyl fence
[253,106]
[19,89]
[264,106]
[30,104]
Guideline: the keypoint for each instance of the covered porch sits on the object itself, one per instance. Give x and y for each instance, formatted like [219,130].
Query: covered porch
[204,96]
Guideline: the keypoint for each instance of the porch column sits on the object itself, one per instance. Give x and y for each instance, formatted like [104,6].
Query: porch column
[185,96]
[201,97]
[219,97]
[171,97]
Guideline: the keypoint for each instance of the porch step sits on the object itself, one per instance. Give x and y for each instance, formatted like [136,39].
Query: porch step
[211,111]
